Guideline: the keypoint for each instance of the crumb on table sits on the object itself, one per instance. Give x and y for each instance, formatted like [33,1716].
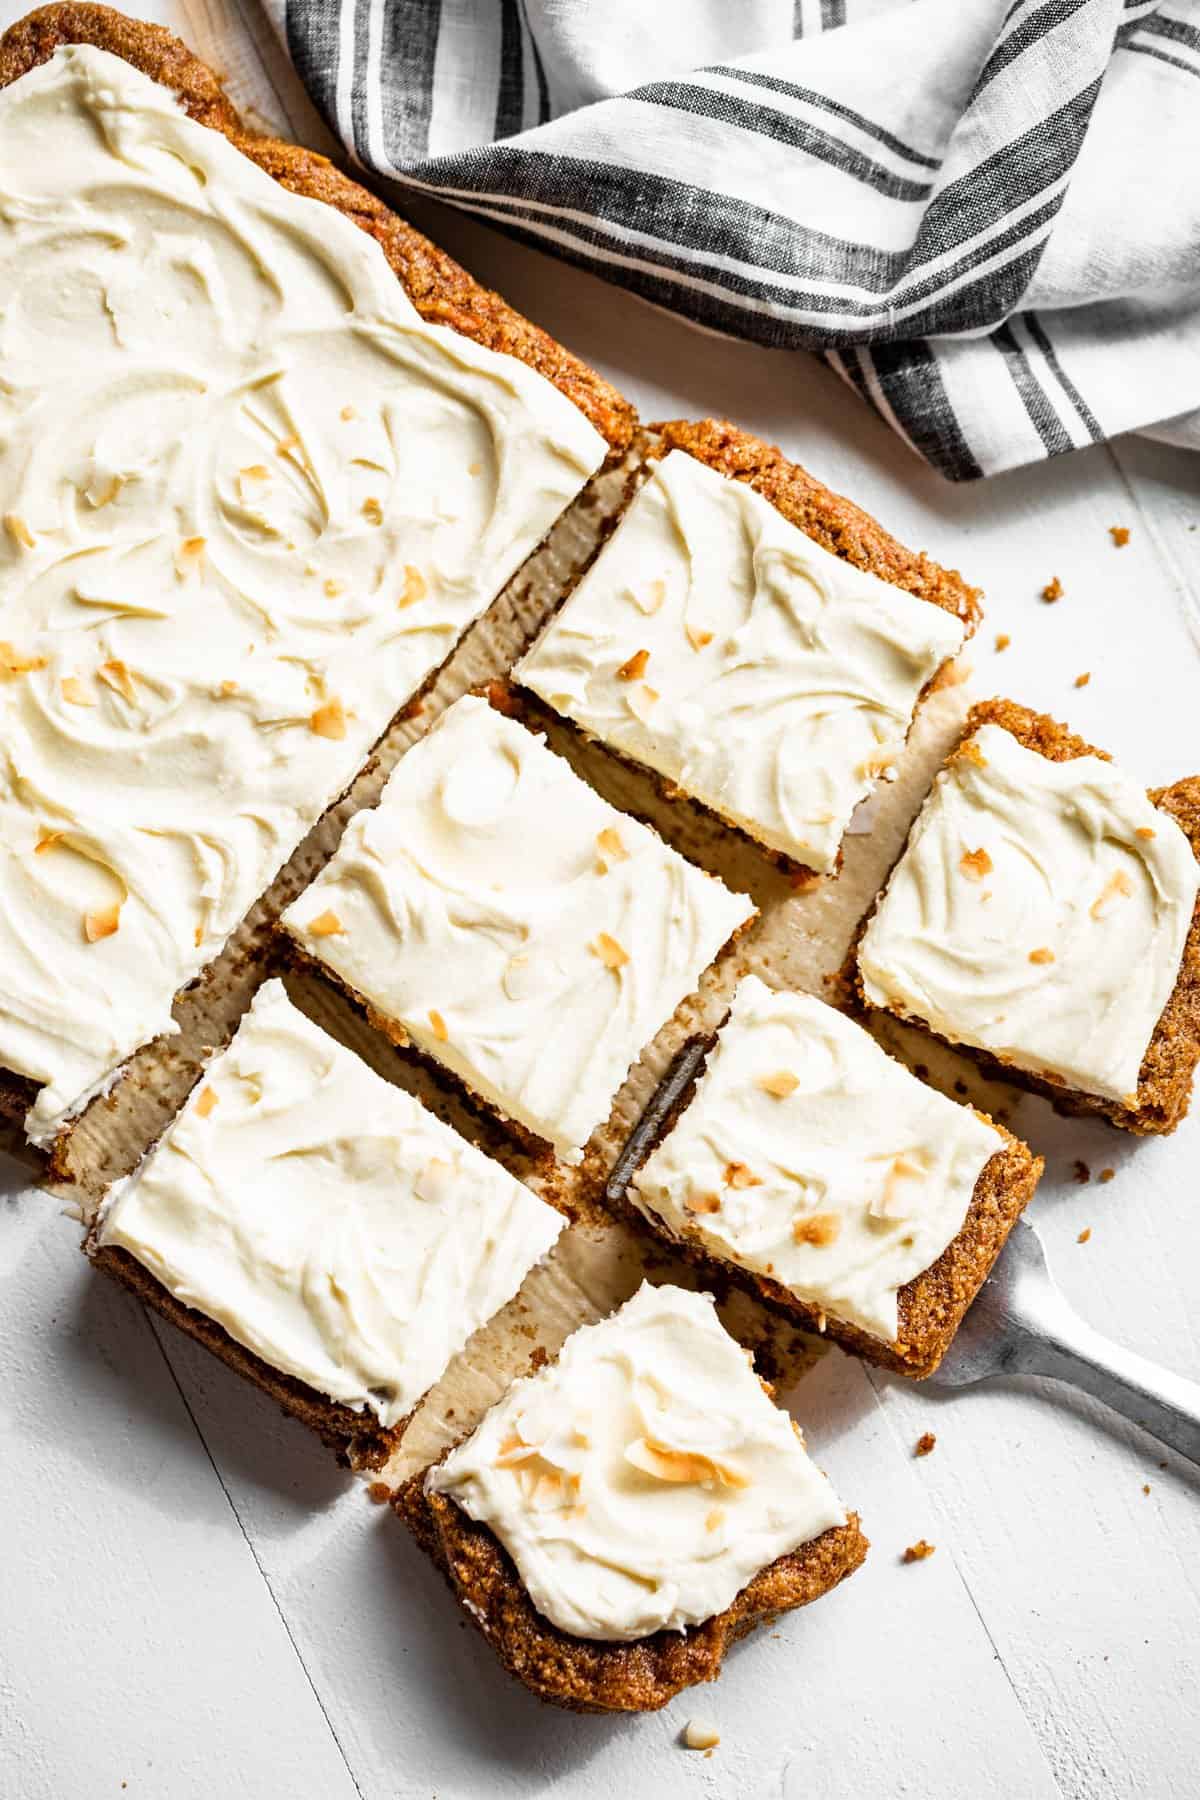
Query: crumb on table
[1106,1174]
[1082,680]
[1084,1235]
[919,1551]
[1053,589]
[1145,1487]
[1119,535]
[1002,640]
[1080,1171]
[701,1734]
[379,1492]
[925,1443]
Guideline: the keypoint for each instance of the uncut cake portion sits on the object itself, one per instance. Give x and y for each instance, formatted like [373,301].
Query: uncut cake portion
[1044,916]
[621,1517]
[320,1230]
[249,499]
[515,926]
[845,1189]
[759,672]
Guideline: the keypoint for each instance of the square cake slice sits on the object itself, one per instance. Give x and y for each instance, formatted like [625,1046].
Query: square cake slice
[250,499]
[850,1192]
[1043,916]
[304,1209]
[513,924]
[715,642]
[617,1519]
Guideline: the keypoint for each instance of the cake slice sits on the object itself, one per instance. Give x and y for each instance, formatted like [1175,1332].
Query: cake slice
[1043,916]
[619,1518]
[320,1230]
[760,671]
[513,925]
[253,487]
[837,1184]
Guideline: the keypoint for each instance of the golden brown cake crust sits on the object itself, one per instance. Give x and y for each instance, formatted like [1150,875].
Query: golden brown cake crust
[931,1305]
[829,519]
[1169,1065]
[589,1676]
[356,1438]
[442,291]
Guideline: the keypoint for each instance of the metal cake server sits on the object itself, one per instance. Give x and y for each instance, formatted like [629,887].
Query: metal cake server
[1020,1324]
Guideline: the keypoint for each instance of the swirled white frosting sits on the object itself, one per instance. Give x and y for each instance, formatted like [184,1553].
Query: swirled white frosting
[809,1155]
[779,681]
[248,500]
[327,1220]
[644,1478]
[520,929]
[1039,912]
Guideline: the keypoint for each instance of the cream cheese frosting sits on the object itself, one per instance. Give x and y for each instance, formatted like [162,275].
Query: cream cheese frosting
[809,1155]
[249,500]
[1039,912]
[519,928]
[327,1220]
[639,1482]
[717,644]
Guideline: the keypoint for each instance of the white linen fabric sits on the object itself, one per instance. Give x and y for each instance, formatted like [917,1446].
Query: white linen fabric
[984,213]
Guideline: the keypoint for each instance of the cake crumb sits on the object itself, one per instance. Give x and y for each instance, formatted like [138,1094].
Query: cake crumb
[1080,1172]
[701,1734]
[1002,640]
[1145,1487]
[380,1492]
[1082,680]
[1119,535]
[925,1443]
[1106,1174]
[918,1552]
[1084,1235]
[1053,589]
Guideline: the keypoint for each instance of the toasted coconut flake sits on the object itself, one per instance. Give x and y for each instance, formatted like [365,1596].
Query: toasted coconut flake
[889,1204]
[415,586]
[679,1467]
[227,688]
[115,674]
[703,1203]
[334,587]
[198,936]
[102,923]
[1145,831]
[329,721]
[714,1518]
[1044,955]
[19,531]
[348,413]
[651,600]
[635,667]
[287,444]
[608,842]
[737,1175]
[780,1084]
[1118,886]
[207,1100]
[697,638]
[475,468]
[818,1229]
[609,951]
[372,510]
[877,764]
[975,864]
[47,840]
[13,664]
[326,924]
[189,555]
[438,1026]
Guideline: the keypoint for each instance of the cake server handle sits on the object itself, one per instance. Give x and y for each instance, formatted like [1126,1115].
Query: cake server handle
[1164,1404]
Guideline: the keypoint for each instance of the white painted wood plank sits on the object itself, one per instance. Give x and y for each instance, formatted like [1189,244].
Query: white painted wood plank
[889,1685]
[138,1643]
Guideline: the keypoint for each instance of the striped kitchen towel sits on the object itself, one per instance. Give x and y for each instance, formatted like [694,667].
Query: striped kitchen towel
[985,214]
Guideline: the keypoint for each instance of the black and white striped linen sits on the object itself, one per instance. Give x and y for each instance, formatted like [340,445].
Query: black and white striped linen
[984,213]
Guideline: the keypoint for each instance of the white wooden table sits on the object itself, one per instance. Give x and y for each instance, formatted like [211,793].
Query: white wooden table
[196,1603]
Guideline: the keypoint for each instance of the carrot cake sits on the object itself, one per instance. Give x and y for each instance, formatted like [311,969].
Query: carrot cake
[249,498]
[722,647]
[616,1509]
[515,926]
[820,1166]
[324,1220]
[1042,916]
